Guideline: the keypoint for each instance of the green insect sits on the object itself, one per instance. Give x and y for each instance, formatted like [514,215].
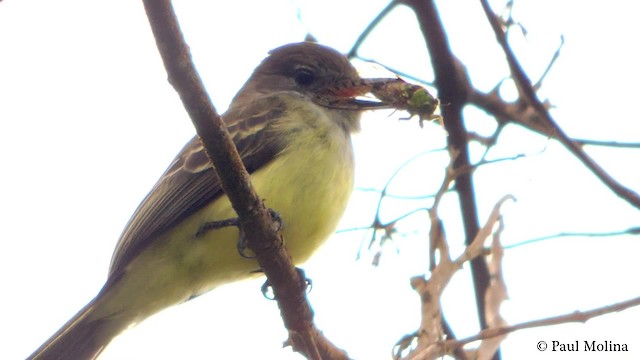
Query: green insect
[419,102]
[402,95]
[392,93]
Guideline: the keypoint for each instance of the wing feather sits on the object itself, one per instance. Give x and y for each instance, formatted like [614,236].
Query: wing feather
[190,182]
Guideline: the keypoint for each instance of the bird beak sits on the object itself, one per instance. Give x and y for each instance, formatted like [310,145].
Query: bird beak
[388,93]
[349,95]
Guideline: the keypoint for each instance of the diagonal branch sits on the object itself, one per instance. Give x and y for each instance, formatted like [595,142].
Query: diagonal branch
[254,218]
[527,93]
[576,316]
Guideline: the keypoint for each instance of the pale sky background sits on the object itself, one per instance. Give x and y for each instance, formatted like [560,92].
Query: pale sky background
[88,123]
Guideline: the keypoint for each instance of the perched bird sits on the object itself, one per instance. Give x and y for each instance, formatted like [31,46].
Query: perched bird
[297,148]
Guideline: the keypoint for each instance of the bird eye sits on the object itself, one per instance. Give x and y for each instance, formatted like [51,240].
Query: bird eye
[304,77]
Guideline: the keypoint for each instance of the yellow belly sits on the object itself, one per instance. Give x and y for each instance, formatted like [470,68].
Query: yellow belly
[308,184]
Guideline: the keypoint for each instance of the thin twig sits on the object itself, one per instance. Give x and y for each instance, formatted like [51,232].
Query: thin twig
[554,58]
[576,316]
[398,72]
[613,144]
[372,25]
[439,349]
[629,231]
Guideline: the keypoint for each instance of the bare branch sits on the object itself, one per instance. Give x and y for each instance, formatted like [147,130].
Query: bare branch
[496,294]
[452,83]
[505,112]
[614,144]
[256,222]
[430,344]
[576,316]
[630,231]
[527,93]
[554,58]
[398,72]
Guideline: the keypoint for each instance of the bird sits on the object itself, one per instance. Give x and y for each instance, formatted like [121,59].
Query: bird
[297,149]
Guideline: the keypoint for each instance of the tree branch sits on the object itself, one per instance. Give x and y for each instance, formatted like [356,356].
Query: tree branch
[527,93]
[430,334]
[289,288]
[452,83]
[576,316]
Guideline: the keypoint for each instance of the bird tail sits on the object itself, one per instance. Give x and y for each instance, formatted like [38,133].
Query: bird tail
[83,337]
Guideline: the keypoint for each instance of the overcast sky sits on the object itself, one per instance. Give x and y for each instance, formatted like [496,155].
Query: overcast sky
[88,123]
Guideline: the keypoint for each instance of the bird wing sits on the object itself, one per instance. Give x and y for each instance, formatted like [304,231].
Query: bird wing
[190,182]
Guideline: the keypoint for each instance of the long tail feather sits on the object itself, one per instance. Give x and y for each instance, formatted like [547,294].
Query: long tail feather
[83,337]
